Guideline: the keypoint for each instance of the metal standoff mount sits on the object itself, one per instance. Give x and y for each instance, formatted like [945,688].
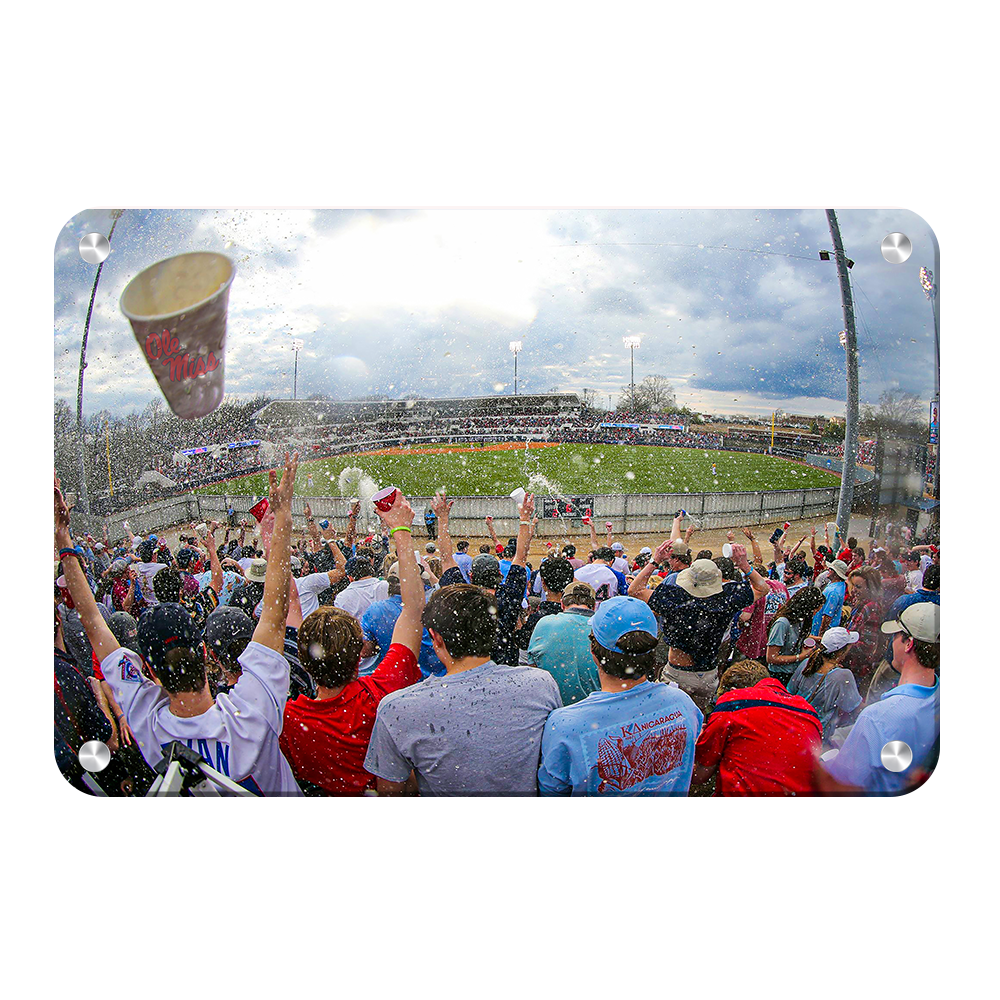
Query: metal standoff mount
[94,248]
[896,248]
[94,756]
[896,756]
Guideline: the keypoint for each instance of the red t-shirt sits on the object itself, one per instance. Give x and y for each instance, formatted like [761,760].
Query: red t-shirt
[764,740]
[325,741]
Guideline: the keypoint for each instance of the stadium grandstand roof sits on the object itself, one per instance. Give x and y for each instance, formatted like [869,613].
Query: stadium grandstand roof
[298,412]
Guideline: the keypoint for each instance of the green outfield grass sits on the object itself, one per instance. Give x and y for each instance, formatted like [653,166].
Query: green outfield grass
[568,469]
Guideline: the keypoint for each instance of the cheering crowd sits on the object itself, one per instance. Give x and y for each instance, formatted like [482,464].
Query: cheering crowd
[325,665]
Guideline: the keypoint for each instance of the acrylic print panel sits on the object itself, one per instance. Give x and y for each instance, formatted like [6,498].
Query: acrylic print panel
[644,416]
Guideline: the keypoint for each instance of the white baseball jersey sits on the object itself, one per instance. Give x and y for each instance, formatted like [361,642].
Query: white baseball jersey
[309,588]
[238,735]
[600,577]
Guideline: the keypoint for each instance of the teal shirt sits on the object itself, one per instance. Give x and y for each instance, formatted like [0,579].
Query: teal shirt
[560,644]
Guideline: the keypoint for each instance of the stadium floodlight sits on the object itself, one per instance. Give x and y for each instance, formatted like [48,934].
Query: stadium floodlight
[515,347]
[297,346]
[632,342]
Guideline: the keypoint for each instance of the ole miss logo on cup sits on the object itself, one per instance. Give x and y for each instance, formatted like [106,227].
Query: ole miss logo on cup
[384,499]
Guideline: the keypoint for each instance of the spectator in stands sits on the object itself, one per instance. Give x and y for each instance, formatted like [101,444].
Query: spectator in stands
[363,590]
[788,633]
[632,737]
[377,624]
[599,574]
[833,596]
[830,688]
[475,731]
[620,563]
[697,612]
[759,739]
[569,551]
[560,644]
[867,613]
[326,739]
[235,733]
[912,571]
[556,575]
[909,712]
[927,591]
[796,575]
[463,560]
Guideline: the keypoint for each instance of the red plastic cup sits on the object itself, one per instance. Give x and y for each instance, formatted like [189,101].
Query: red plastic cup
[259,510]
[384,499]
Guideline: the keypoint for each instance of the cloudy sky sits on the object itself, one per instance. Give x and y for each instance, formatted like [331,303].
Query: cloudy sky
[734,307]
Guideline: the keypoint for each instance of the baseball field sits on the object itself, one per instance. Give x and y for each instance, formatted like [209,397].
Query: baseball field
[496,469]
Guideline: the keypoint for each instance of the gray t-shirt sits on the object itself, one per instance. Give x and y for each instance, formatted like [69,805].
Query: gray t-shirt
[786,635]
[75,637]
[831,694]
[478,732]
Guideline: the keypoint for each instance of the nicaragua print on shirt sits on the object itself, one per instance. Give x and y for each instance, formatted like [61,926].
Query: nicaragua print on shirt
[642,750]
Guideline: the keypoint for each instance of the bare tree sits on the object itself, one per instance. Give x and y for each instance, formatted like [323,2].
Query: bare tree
[653,394]
[897,413]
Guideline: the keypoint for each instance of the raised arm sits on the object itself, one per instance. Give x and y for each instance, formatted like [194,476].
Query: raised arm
[352,523]
[399,520]
[758,559]
[338,574]
[270,630]
[213,560]
[101,638]
[489,528]
[441,505]
[609,531]
[675,531]
[313,528]
[798,545]
[527,510]
[638,588]
[594,543]
[756,581]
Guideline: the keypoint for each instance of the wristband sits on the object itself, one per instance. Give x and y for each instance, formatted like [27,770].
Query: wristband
[68,552]
[399,527]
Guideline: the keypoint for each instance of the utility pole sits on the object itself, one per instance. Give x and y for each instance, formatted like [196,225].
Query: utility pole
[85,502]
[851,347]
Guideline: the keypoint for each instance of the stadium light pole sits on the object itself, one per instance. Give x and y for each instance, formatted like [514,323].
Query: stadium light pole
[632,343]
[850,341]
[515,346]
[84,498]
[297,346]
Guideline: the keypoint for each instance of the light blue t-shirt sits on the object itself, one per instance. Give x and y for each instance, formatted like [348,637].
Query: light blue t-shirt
[377,622]
[560,644]
[834,606]
[230,581]
[464,562]
[909,713]
[636,742]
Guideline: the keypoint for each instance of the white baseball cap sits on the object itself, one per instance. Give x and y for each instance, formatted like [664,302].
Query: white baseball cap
[921,621]
[645,551]
[837,638]
[618,547]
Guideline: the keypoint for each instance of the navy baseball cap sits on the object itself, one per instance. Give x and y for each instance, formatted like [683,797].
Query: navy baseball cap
[185,557]
[164,627]
[227,625]
[620,615]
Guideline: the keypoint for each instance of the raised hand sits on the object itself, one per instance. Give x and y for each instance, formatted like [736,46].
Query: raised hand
[441,505]
[309,512]
[280,493]
[729,535]
[739,558]
[399,515]
[662,551]
[527,508]
[60,508]
[748,533]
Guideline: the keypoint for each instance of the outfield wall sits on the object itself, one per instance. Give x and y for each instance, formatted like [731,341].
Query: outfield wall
[649,513]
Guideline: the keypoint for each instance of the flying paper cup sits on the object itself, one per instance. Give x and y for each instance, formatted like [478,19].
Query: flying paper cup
[259,509]
[384,499]
[518,496]
[177,308]
[727,551]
